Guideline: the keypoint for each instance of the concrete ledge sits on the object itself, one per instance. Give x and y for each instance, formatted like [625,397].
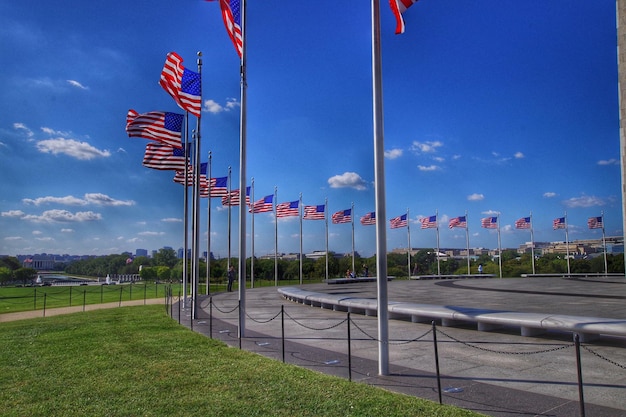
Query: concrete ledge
[463,276]
[354,280]
[529,324]
[576,275]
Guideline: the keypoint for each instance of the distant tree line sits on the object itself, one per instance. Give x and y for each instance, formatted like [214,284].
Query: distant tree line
[165,266]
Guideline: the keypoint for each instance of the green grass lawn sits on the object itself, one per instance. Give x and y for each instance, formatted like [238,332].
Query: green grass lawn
[136,361]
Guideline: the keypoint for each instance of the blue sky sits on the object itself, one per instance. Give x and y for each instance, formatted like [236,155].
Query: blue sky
[490,106]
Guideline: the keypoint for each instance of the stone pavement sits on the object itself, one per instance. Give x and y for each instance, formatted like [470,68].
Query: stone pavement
[495,373]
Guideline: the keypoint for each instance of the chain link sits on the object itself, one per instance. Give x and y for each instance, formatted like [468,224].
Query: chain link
[262,321]
[404,342]
[554,349]
[588,349]
[313,328]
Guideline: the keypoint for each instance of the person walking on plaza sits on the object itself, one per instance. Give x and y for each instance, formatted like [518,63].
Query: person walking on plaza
[231,278]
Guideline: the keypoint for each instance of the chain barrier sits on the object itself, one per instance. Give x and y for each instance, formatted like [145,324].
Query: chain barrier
[313,328]
[404,342]
[503,352]
[612,362]
[225,311]
[263,321]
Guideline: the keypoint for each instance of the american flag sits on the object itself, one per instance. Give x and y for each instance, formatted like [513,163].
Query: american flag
[164,157]
[263,205]
[288,209]
[458,222]
[343,216]
[164,127]
[204,186]
[429,222]
[398,222]
[219,186]
[489,222]
[398,7]
[182,84]
[231,200]
[369,219]
[523,223]
[231,13]
[558,223]
[315,212]
[595,222]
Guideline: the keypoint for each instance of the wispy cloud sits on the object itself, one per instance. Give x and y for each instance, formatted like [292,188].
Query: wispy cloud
[428,168]
[71,147]
[212,106]
[584,201]
[172,220]
[475,197]
[425,147]
[347,180]
[549,194]
[151,233]
[63,216]
[76,84]
[611,161]
[393,153]
[13,213]
[97,199]
[518,155]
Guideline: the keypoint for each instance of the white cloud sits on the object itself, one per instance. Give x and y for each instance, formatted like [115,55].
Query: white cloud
[53,216]
[22,126]
[611,161]
[549,194]
[491,213]
[13,238]
[71,147]
[475,197]
[67,230]
[76,84]
[51,132]
[151,233]
[97,199]
[214,107]
[44,239]
[584,201]
[13,213]
[426,147]
[393,153]
[428,168]
[37,232]
[172,220]
[347,180]
[518,155]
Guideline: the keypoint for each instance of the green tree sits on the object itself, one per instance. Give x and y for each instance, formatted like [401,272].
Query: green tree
[10,262]
[25,274]
[5,275]
[165,257]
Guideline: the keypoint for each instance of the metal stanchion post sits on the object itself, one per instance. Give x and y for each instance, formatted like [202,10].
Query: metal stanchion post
[349,352]
[282,326]
[437,362]
[579,369]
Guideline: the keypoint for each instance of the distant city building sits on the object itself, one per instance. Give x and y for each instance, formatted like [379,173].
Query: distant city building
[141,252]
[181,251]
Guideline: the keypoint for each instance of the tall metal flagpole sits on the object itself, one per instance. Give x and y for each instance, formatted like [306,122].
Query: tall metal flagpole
[242,179]
[352,218]
[196,208]
[532,242]
[567,243]
[275,237]
[208,229]
[467,242]
[381,210]
[186,214]
[228,200]
[252,233]
[300,213]
[606,269]
[408,252]
[499,246]
[326,224]
[621,87]
[437,226]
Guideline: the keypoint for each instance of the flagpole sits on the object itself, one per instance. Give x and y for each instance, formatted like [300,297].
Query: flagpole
[499,246]
[408,252]
[275,237]
[467,242]
[196,208]
[606,269]
[532,242]
[300,212]
[242,177]
[326,224]
[208,230]
[252,233]
[381,210]
[186,213]
[567,244]
[229,200]
[352,217]
[438,249]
